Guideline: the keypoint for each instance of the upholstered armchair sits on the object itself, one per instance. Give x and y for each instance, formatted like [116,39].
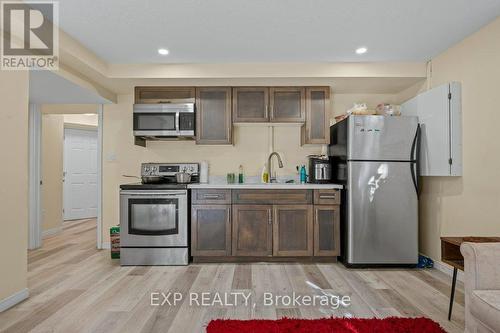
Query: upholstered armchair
[482,287]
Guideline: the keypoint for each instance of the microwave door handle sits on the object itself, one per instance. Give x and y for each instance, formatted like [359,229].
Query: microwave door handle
[177,120]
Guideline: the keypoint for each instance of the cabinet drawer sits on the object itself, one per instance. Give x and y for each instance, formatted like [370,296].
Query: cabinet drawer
[326,197]
[211,196]
[272,197]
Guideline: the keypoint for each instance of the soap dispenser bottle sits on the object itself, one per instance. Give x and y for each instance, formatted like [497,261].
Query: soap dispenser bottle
[264,175]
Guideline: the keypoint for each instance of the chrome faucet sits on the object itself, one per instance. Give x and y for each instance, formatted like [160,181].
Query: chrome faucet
[269,168]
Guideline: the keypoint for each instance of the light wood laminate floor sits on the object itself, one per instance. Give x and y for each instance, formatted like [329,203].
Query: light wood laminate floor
[76,288]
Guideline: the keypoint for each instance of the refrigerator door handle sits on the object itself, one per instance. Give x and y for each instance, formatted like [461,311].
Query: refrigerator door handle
[414,176]
[415,145]
[415,158]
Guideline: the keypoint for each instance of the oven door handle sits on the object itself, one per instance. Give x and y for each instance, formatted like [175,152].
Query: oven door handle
[149,194]
[177,122]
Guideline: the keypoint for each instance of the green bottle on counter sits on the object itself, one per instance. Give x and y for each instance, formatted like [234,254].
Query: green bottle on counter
[240,175]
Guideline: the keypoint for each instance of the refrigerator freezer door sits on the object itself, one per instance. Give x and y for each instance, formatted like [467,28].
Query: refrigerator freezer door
[382,225]
[381,138]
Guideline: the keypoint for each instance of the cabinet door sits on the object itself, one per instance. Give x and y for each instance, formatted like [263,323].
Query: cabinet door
[213,115]
[293,230]
[146,95]
[252,230]
[317,127]
[287,104]
[211,230]
[250,104]
[326,231]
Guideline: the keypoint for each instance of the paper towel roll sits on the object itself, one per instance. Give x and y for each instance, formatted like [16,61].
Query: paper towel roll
[204,172]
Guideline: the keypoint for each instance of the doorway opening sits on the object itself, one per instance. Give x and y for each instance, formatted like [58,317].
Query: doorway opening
[64,175]
[69,162]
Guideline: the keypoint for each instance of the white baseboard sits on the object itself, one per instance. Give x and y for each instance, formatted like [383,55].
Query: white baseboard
[448,270]
[106,246]
[13,299]
[51,232]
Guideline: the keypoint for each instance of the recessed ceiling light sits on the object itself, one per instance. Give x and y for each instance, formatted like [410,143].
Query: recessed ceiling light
[163,51]
[361,50]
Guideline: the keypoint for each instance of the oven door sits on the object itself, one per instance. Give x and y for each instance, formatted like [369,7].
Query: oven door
[153,219]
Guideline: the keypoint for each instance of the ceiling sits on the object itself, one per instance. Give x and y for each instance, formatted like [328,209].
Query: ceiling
[217,31]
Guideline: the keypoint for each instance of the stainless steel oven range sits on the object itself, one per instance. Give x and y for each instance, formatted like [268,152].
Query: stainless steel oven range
[154,217]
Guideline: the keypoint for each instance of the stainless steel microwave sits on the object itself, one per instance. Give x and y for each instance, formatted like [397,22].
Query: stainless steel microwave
[164,120]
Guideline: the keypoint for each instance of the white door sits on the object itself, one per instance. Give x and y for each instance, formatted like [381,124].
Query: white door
[80,174]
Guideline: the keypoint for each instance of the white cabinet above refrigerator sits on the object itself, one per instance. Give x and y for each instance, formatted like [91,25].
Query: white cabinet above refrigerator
[439,111]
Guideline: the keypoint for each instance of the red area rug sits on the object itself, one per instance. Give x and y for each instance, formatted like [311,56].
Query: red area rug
[327,325]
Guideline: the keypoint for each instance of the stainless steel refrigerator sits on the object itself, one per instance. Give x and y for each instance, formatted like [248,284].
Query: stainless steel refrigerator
[380,214]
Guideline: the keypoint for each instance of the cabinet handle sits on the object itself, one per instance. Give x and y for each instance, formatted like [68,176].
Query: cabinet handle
[327,196]
[270,219]
[267,111]
[212,196]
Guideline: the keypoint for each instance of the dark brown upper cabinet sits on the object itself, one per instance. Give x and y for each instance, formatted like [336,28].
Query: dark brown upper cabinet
[213,115]
[316,130]
[251,104]
[153,95]
[287,104]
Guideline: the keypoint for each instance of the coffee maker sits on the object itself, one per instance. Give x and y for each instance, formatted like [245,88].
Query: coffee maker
[320,169]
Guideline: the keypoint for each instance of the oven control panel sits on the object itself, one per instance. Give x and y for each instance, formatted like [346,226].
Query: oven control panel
[168,169]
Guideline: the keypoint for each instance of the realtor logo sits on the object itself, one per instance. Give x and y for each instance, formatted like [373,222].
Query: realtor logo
[30,35]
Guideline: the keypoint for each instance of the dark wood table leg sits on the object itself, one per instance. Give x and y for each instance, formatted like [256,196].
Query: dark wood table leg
[453,285]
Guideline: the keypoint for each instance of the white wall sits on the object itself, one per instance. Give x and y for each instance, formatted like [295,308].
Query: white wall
[52,171]
[468,205]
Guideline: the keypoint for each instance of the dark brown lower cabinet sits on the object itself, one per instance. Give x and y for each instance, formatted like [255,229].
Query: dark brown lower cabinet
[326,231]
[267,225]
[252,230]
[293,230]
[211,230]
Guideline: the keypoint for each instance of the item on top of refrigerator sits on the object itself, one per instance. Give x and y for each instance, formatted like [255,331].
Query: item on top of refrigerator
[341,117]
[386,109]
[360,109]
